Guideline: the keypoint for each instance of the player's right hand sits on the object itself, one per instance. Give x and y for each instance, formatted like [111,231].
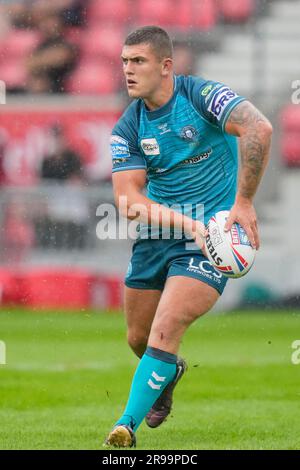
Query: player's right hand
[199,233]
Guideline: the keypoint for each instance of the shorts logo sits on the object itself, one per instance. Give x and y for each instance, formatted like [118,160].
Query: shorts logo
[188,133]
[150,146]
[220,101]
[205,268]
[119,148]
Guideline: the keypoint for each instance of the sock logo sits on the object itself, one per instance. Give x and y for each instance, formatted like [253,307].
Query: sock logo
[158,379]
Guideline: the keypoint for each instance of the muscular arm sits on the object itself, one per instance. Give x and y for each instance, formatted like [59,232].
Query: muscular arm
[134,205]
[254,132]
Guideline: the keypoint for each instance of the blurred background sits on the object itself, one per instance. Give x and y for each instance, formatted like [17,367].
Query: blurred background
[60,65]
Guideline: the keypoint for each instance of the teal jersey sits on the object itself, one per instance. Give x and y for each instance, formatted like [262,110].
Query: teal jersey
[189,158]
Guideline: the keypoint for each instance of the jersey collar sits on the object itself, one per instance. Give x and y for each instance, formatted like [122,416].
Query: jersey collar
[166,108]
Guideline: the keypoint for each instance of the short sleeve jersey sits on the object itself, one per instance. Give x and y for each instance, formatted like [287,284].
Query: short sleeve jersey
[183,146]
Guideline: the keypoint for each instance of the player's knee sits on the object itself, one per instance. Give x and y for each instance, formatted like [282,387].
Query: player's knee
[171,320]
[138,342]
[191,315]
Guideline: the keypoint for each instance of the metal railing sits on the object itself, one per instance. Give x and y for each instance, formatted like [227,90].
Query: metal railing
[55,225]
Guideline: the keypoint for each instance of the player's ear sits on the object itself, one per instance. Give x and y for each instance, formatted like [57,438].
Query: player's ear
[167,67]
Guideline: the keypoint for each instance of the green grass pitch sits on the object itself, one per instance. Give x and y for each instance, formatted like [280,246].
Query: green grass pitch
[67,379]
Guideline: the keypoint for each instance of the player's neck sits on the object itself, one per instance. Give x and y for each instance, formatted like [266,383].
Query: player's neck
[161,97]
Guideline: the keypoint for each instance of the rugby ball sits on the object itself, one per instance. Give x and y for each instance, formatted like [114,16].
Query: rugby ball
[229,252]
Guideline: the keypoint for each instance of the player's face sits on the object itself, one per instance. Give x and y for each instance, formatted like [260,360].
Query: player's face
[143,70]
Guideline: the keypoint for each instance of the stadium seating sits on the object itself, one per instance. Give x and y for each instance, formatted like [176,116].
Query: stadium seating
[205,14]
[290,149]
[18,43]
[104,42]
[107,22]
[236,11]
[13,73]
[112,11]
[290,118]
[92,78]
[290,140]
[160,12]
[74,35]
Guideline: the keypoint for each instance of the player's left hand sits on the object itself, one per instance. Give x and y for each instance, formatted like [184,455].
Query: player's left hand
[244,213]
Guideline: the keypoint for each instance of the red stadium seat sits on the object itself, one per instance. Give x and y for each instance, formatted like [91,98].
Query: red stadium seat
[92,78]
[290,141]
[195,14]
[103,43]
[290,149]
[74,35]
[18,44]
[13,73]
[183,14]
[290,118]
[236,11]
[205,14]
[160,12]
[108,11]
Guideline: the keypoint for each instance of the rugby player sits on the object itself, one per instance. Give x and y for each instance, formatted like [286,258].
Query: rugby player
[178,138]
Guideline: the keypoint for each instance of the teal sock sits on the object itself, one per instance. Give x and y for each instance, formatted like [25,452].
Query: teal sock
[155,371]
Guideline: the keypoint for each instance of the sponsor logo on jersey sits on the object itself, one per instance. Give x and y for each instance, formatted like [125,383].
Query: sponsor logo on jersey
[150,146]
[188,133]
[117,161]
[197,159]
[211,92]
[206,90]
[220,101]
[119,147]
